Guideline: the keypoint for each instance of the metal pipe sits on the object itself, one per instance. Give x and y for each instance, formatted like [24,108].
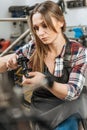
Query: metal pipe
[15,42]
[12,19]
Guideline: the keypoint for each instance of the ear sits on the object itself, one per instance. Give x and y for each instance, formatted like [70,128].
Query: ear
[60,24]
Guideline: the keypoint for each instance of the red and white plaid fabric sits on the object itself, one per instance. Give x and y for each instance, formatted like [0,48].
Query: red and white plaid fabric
[78,65]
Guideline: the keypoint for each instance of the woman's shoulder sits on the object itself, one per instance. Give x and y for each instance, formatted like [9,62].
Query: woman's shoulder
[75,43]
[30,44]
[27,49]
[76,46]
[78,52]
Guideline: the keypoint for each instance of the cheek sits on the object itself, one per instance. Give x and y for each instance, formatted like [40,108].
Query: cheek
[58,26]
[53,34]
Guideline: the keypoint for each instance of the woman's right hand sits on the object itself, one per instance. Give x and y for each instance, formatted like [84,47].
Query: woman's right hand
[12,62]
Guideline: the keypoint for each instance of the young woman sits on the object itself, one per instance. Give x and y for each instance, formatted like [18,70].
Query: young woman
[58,64]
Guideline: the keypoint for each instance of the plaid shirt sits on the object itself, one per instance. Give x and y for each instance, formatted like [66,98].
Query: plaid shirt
[78,65]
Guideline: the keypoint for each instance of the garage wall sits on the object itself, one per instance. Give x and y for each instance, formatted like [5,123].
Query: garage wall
[74,17]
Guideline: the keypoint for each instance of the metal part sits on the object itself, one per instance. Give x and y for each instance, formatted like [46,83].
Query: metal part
[23,62]
[12,19]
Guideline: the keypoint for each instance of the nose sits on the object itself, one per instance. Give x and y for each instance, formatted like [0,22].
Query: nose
[41,31]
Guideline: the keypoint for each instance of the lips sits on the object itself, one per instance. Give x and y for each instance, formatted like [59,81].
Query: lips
[44,39]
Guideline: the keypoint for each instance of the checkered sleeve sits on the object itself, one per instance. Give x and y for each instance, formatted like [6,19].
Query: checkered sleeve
[27,49]
[77,75]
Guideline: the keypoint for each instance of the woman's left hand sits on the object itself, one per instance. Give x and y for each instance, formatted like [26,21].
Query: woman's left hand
[37,80]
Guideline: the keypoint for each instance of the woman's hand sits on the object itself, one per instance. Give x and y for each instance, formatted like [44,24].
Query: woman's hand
[37,80]
[12,62]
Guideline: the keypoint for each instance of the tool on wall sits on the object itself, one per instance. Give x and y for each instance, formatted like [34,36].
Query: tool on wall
[61,4]
[75,3]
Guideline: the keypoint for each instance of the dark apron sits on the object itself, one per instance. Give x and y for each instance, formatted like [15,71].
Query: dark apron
[52,109]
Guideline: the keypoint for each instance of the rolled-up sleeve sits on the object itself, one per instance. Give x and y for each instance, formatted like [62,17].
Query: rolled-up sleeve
[77,75]
[27,49]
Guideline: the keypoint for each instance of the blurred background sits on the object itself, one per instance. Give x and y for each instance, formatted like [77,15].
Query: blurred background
[14,32]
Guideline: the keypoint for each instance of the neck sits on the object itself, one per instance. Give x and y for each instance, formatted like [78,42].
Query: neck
[57,45]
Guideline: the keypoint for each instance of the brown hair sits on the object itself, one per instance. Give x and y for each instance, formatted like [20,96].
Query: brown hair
[47,9]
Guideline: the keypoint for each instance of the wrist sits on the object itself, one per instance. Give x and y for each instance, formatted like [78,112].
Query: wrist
[49,81]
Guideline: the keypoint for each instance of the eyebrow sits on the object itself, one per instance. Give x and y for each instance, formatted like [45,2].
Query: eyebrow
[39,23]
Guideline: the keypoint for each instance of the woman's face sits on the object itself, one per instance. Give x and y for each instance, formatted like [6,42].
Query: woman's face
[46,34]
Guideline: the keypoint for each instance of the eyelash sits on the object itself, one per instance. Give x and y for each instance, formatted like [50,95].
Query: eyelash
[36,28]
[44,25]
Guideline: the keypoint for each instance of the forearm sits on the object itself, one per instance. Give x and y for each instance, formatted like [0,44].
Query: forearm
[74,86]
[59,90]
[3,62]
[71,90]
[3,66]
